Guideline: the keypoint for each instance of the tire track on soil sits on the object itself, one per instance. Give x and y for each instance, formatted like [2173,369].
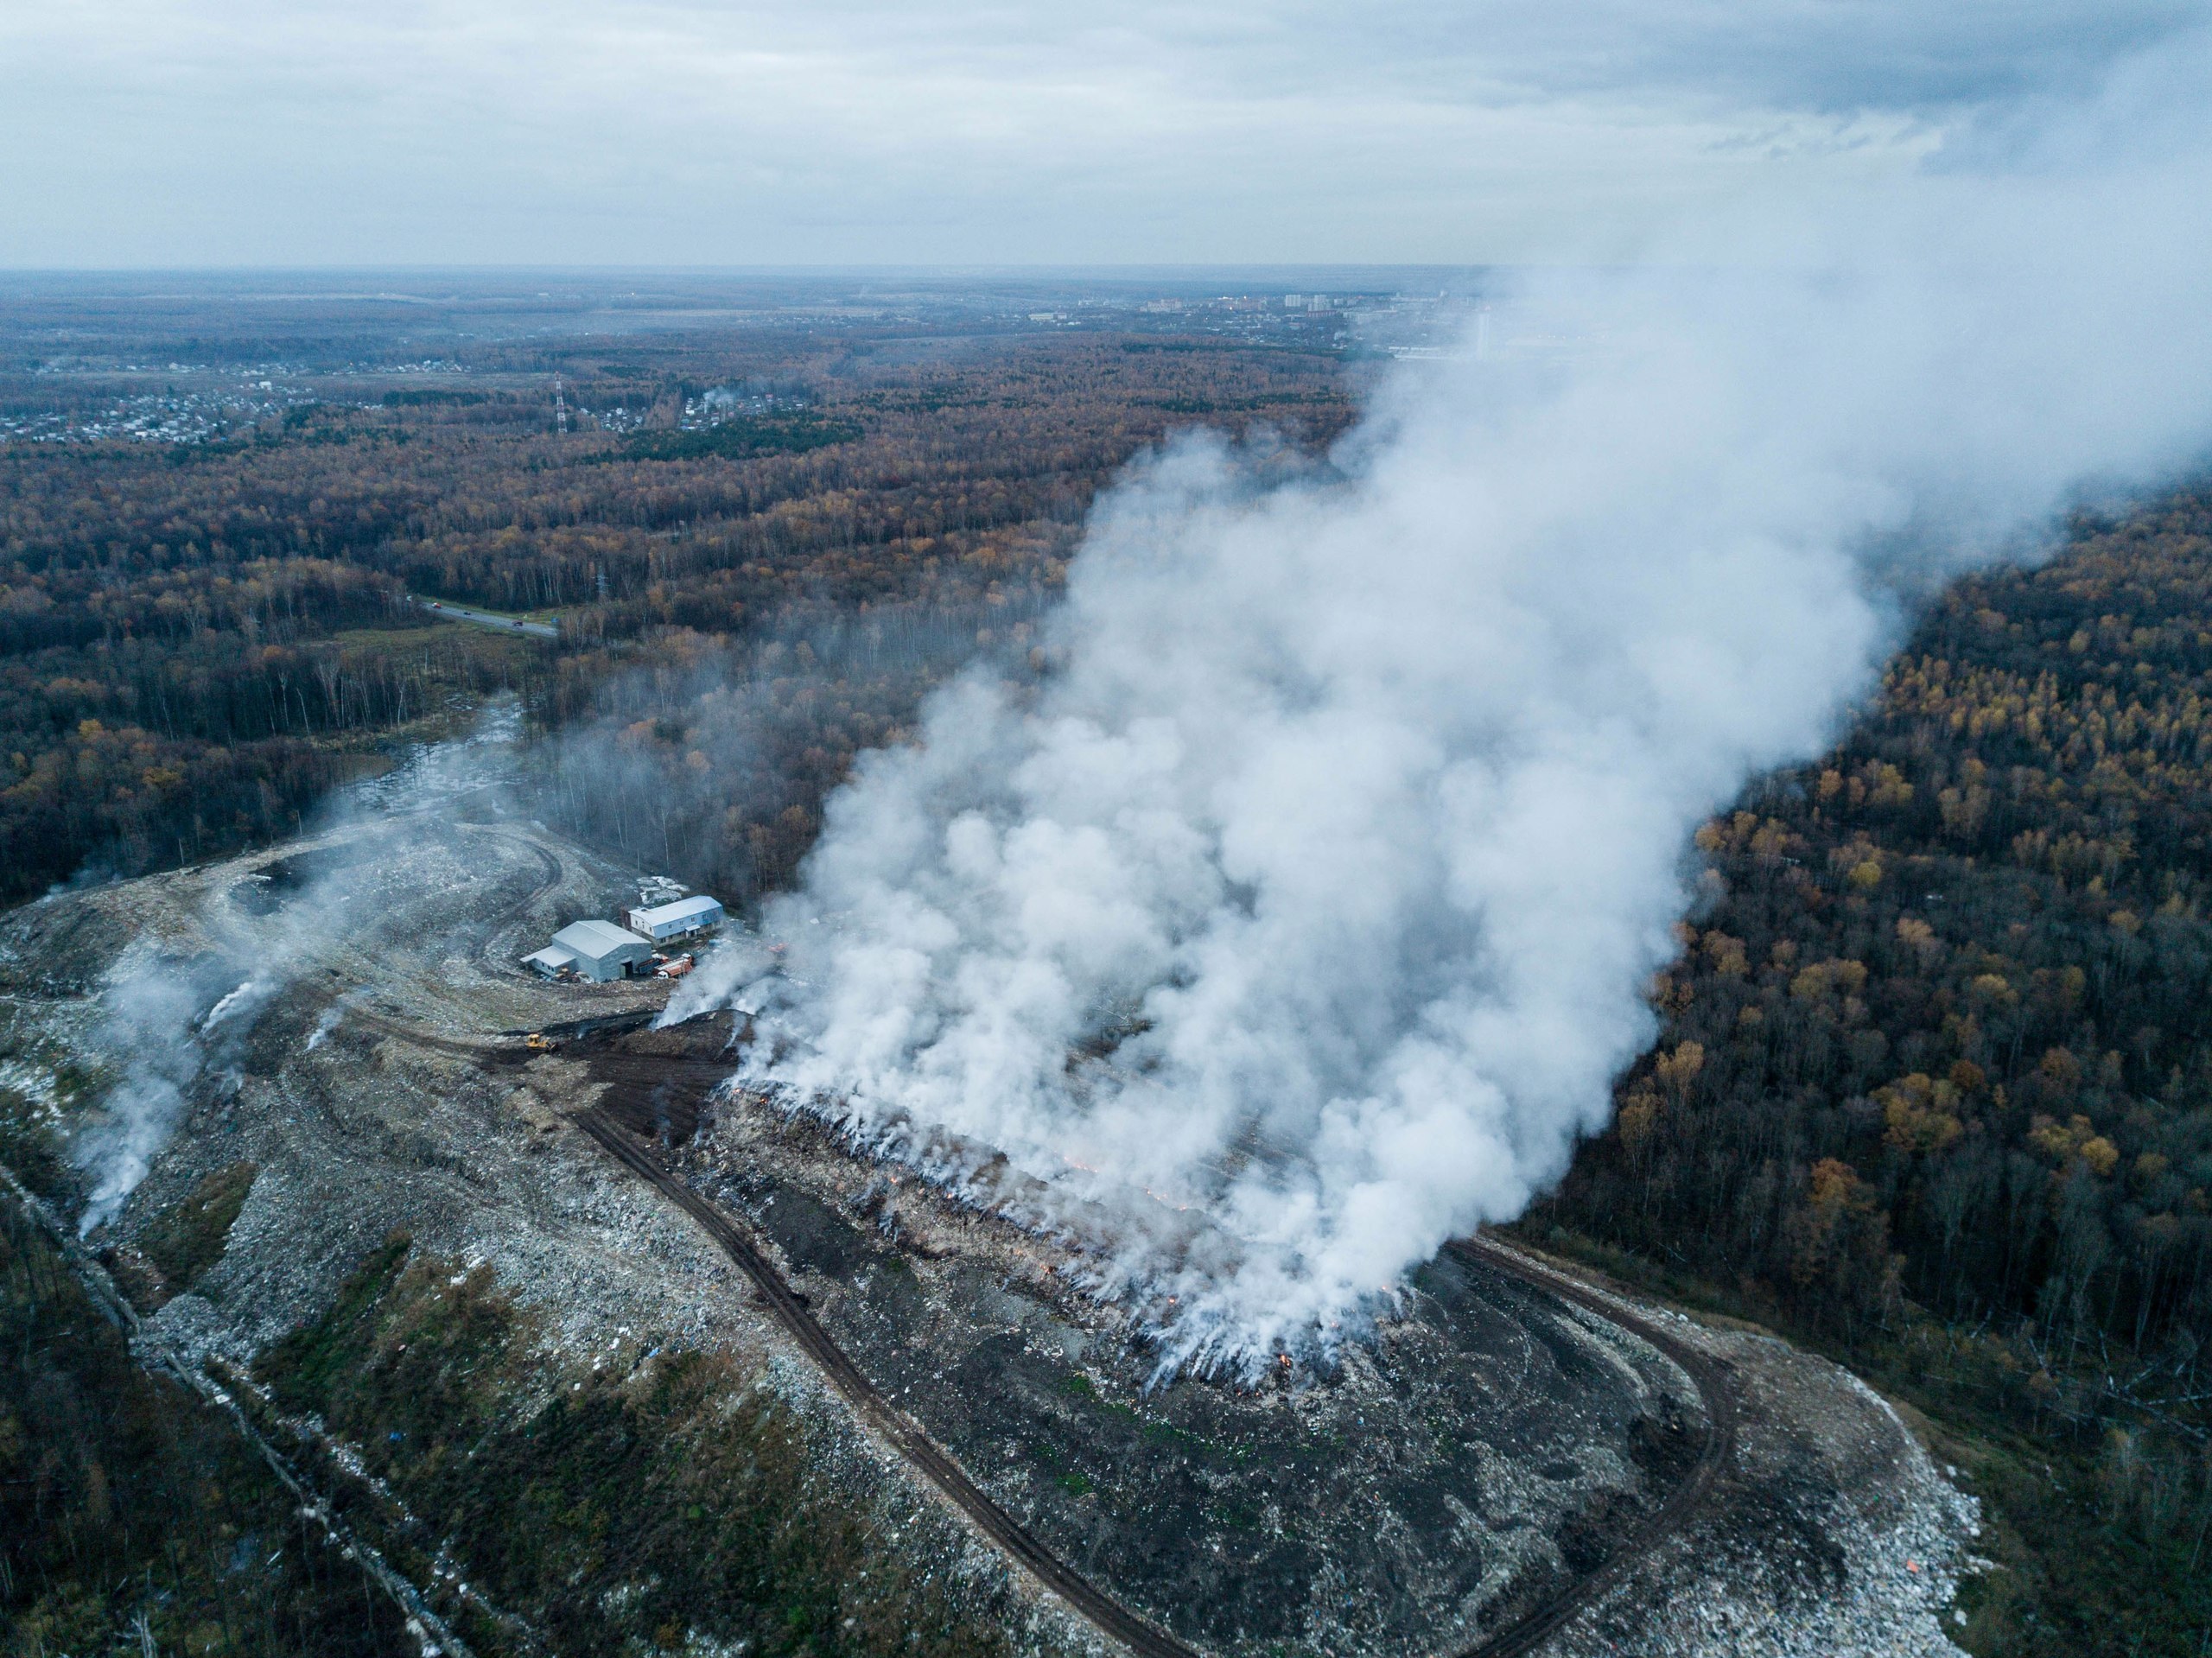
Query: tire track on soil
[1690,1496]
[905,1436]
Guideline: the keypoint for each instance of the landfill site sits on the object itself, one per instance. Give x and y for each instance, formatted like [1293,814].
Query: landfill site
[452,1033]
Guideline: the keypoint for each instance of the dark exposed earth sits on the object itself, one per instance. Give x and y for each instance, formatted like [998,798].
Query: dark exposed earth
[1497,1449]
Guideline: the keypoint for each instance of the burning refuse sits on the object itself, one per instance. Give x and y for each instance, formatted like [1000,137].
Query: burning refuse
[1313,890]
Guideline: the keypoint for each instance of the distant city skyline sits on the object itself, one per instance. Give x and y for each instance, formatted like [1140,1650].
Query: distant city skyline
[182,133]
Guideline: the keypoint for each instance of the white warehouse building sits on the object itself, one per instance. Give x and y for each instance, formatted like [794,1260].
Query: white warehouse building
[599,951]
[666,921]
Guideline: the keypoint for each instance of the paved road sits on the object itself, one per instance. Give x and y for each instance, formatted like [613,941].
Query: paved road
[451,612]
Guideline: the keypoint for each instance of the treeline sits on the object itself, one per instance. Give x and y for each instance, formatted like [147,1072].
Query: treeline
[1968,959]
[707,714]
[195,644]
[1936,1077]
[930,465]
[964,471]
[711,762]
[142,754]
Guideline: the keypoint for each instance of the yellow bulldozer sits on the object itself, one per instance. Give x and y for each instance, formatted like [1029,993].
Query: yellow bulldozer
[538,1042]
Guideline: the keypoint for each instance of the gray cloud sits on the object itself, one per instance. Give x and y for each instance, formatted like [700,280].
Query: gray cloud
[150,131]
[1838,56]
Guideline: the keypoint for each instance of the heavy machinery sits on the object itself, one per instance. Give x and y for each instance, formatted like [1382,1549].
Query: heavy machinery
[538,1042]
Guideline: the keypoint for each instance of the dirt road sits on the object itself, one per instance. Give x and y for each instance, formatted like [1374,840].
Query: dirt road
[1525,1635]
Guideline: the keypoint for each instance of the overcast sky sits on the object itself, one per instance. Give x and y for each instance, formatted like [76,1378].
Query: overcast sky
[309,132]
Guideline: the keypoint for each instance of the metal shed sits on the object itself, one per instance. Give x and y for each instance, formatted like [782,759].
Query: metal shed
[551,960]
[667,921]
[598,950]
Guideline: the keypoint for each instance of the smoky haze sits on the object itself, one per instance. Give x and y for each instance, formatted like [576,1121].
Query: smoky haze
[176,1015]
[1300,920]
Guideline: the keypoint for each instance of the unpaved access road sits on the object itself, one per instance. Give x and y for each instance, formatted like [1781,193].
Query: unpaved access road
[1110,1618]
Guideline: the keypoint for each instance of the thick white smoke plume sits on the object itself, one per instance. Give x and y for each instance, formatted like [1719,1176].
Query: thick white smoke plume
[1300,920]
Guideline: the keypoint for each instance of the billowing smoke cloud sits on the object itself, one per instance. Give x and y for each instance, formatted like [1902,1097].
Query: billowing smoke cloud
[1300,920]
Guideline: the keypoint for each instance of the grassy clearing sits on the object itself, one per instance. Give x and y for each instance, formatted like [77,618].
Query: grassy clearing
[407,639]
[185,1241]
[451,649]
